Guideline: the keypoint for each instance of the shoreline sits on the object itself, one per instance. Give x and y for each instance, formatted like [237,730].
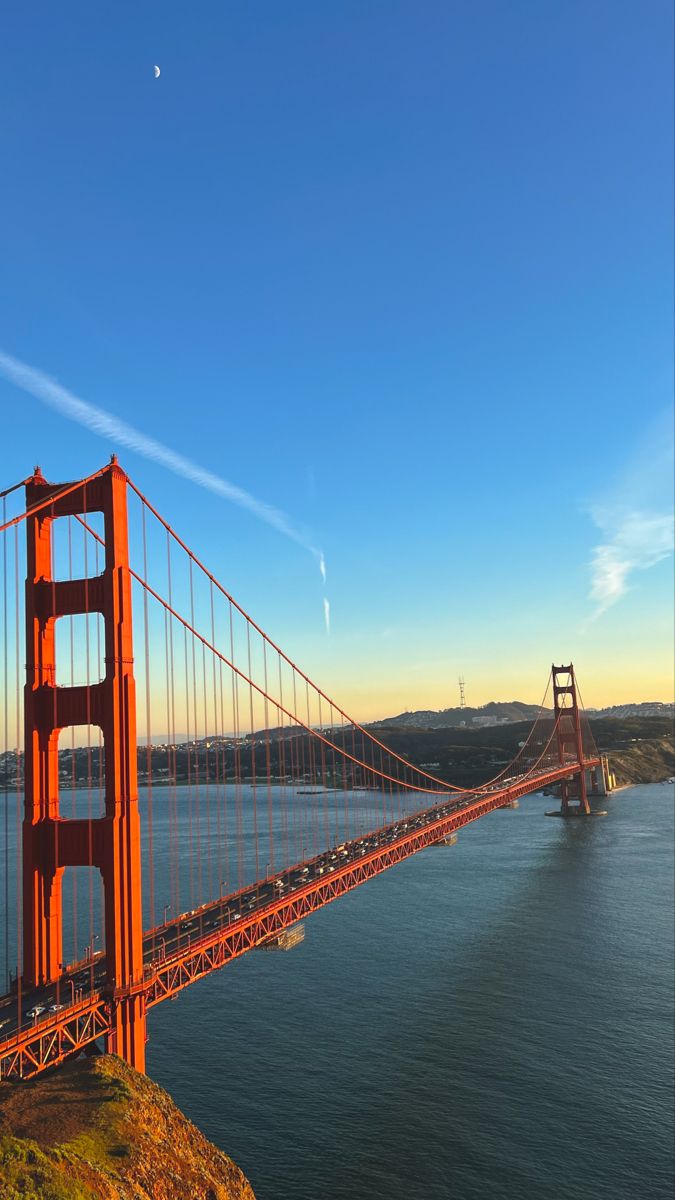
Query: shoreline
[83,787]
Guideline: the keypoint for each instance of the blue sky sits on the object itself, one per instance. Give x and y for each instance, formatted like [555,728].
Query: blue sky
[402,271]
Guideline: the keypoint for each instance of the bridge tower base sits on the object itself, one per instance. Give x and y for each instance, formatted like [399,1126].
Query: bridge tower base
[574,793]
[112,843]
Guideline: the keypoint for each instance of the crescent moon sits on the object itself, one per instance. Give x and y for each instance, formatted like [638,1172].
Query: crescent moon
[157,72]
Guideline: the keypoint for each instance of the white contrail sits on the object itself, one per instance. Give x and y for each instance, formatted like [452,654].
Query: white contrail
[326,613]
[106,425]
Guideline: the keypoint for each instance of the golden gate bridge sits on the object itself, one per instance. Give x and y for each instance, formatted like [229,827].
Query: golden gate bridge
[260,800]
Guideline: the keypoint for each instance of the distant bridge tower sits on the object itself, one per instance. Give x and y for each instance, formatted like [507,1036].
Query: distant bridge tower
[570,741]
[462,697]
[112,842]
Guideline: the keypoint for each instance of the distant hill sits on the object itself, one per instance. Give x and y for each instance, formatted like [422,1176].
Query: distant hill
[493,713]
[649,708]
[496,713]
[640,749]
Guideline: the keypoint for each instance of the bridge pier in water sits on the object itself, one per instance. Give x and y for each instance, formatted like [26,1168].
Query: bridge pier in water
[112,843]
[601,778]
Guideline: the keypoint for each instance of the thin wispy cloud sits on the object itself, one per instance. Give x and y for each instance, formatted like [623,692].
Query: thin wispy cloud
[635,518]
[106,425]
[326,614]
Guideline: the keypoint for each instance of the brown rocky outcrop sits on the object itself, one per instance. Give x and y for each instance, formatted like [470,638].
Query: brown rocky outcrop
[97,1130]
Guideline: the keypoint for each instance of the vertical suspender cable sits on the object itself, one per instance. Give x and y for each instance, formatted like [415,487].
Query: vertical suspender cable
[345,789]
[224,845]
[5,740]
[54,714]
[312,775]
[19,891]
[294,818]
[270,814]
[73,761]
[253,748]
[207,790]
[324,787]
[338,836]
[100,659]
[218,743]
[89,765]
[167,724]
[148,732]
[197,825]
[239,819]
[281,754]
[173,793]
[189,774]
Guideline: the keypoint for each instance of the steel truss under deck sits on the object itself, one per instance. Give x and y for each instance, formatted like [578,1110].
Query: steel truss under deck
[79,1026]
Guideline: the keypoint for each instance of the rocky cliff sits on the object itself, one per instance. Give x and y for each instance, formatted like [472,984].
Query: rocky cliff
[97,1130]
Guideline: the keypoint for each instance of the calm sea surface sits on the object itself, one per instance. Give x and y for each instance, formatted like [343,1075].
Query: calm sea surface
[493,1019]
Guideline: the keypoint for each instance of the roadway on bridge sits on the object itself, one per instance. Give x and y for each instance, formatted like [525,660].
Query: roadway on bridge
[166,941]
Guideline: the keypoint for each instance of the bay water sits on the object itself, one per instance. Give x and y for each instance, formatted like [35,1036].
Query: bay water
[492,1019]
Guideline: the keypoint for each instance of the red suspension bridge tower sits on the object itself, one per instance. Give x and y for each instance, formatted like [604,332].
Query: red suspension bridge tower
[319,751]
[570,740]
[112,842]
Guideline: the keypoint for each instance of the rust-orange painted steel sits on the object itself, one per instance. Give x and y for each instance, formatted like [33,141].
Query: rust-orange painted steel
[568,727]
[112,843]
[58,1036]
[198,959]
[443,786]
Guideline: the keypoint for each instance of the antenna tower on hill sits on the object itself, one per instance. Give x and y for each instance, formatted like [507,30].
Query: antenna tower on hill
[462,697]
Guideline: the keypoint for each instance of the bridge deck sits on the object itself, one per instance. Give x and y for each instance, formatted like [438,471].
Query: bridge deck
[182,951]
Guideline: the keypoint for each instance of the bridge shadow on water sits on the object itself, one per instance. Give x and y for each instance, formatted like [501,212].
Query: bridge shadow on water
[464,1026]
[524,1032]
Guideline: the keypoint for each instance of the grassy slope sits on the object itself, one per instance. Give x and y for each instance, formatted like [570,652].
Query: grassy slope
[96,1130]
